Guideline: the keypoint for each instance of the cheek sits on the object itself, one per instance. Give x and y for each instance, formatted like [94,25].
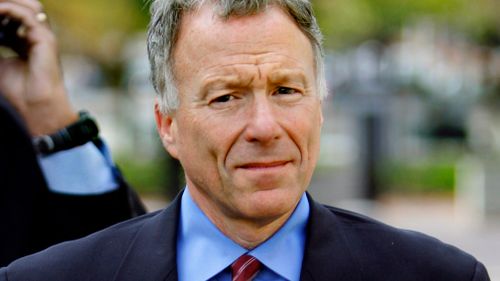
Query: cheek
[194,140]
[315,136]
[305,129]
[197,159]
[314,145]
[205,142]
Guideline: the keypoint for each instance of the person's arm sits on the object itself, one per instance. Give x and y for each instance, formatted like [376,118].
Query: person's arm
[81,206]
[34,85]
[36,215]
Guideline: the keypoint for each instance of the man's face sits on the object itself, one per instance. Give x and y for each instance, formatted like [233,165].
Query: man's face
[247,128]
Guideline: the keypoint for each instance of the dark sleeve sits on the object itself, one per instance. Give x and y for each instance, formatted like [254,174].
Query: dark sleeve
[22,186]
[480,273]
[3,274]
[33,218]
[69,217]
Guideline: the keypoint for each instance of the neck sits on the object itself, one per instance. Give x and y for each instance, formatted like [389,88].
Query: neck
[248,232]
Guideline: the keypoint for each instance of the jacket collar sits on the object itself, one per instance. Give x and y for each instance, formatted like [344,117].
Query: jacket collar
[328,255]
[152,254]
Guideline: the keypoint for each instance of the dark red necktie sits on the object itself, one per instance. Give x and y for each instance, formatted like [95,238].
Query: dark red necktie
[245,268]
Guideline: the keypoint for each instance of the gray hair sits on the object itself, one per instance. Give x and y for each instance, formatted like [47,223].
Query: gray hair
[163,28]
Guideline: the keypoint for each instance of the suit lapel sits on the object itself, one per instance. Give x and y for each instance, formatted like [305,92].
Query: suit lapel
[327,255]
[152,255]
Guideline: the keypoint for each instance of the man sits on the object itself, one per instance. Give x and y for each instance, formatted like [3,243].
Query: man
[240,85]
[41,202]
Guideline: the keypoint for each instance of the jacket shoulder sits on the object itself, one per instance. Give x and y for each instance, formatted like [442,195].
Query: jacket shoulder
[96,257]
[384,250]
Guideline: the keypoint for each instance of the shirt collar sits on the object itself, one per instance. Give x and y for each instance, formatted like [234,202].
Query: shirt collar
[283,252]
[203,250]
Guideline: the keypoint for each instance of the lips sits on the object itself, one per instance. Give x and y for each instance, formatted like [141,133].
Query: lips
[263,165]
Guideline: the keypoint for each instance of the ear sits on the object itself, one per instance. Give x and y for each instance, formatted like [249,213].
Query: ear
[166,126]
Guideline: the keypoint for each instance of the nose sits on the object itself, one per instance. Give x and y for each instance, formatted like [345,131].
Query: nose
[263,125]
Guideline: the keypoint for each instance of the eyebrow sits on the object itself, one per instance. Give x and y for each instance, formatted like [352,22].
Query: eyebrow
[237,80]
[287,75]
[227,81]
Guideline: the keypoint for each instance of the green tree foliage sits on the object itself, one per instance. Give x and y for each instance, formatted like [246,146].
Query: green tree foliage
[349,22]
[96,28]
[99,28]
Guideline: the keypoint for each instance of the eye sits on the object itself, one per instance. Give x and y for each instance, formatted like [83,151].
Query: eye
[285,91]
[223,99]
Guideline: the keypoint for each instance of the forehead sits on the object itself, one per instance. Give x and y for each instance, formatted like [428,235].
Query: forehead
[206,16]
[205,37]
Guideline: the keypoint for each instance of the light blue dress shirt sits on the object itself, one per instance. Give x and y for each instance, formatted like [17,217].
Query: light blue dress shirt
[205,253]
[83,170]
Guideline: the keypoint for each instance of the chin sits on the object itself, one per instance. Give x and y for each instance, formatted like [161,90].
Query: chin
[271,204]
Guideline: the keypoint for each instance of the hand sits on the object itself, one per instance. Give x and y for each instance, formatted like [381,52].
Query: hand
[35,85]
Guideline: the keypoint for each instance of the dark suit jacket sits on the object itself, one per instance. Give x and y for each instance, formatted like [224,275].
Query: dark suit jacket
[340,246]
[33,218]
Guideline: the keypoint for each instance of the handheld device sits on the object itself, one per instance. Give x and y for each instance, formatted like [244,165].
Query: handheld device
[9,36]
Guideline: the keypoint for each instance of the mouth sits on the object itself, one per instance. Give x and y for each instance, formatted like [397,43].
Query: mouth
[263,165]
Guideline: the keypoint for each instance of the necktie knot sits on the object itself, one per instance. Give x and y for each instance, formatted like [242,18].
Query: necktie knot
[245,268]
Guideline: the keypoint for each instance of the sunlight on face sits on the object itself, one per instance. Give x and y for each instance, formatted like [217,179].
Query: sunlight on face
[248,124]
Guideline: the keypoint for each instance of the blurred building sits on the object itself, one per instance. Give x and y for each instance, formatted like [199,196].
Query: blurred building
[427,96]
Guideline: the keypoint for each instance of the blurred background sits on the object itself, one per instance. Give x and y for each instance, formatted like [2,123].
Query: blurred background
[412,124]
